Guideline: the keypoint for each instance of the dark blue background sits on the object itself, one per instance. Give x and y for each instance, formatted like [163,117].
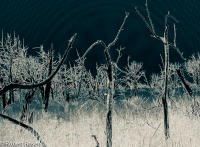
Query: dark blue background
[54,21]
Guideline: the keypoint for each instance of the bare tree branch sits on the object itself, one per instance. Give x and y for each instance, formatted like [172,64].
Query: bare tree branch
[30,129]
[119,31]
[187,87]
[119,53]
[96,140]
[98,42]
[144,20]
[150,20]
[165,42]
[149,24]
[174,35]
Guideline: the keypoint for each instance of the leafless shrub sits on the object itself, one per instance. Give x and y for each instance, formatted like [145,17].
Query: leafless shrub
[134,75]
[192,67]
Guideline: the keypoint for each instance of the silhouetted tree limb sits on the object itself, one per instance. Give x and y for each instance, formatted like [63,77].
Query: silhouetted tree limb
[110,77]
[30,129]
[164,39]
[150,26]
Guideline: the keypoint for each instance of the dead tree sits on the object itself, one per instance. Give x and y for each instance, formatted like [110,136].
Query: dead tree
[164,39]
[110,78]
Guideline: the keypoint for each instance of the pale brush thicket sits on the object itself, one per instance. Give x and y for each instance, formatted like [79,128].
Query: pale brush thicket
[66,105]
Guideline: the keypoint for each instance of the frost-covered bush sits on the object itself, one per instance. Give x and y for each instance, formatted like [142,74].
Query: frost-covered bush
[11,53]
[98,84]
[67,82]
[174,80]
[134,76]
[156,82]
[12,62]
[192,66]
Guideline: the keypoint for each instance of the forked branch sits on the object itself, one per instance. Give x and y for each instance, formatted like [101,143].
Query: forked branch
[100,42]
[149,24]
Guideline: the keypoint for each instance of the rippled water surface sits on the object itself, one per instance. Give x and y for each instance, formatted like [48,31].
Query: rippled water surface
[54,21]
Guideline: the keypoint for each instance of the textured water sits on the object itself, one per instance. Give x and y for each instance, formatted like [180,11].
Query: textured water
[54,21]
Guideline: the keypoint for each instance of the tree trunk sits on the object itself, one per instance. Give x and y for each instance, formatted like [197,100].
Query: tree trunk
[109,114]
[135,90]
[109,100]
[4,102]
[164,98]
[48,86]
[197,79]
[11,94]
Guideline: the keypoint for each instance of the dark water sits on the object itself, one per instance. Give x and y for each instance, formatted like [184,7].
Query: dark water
[54,21]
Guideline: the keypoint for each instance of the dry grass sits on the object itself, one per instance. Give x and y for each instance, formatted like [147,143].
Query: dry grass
[134,125]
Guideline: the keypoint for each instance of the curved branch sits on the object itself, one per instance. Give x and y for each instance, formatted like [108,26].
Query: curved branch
[110,44]
[31,86]
[92,46]
[16,122]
